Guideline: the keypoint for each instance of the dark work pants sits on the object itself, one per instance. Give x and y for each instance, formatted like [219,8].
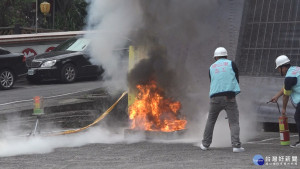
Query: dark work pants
[297,118]
[217,104]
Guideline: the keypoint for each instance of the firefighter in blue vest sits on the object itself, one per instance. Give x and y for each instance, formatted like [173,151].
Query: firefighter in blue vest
[291,88]
[224,86]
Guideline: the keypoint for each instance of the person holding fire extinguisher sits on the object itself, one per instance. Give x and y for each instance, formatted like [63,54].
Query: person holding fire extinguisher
[291,88]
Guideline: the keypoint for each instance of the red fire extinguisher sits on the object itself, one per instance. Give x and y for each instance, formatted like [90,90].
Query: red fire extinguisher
[283,128]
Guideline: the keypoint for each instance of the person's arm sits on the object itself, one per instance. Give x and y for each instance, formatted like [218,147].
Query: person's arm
[289,82]
[276,97]
[285,100]
[236,71]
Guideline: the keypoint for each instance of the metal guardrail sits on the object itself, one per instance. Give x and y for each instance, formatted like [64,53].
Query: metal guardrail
[23,30]
[6,31]
[37,37]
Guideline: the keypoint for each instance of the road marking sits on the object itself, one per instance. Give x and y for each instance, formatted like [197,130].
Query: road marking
[48,97]
[269,139]
[20,101]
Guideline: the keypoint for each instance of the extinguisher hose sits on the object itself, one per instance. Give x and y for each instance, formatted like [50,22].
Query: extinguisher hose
[278,108]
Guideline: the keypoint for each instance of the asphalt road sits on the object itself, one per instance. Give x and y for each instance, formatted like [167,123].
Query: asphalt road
[20,98]
[102,149]
[99,148]
[24,91]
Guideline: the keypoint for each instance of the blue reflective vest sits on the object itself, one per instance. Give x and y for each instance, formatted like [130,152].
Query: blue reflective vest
[294,71]
[223,78]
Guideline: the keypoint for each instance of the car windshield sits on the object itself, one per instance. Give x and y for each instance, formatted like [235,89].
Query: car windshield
[74,44]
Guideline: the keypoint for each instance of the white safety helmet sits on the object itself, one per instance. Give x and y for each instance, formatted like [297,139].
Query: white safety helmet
[220,51]
[281,60]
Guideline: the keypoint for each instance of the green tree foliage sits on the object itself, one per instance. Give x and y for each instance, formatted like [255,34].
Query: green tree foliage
[69,14]
[15,12]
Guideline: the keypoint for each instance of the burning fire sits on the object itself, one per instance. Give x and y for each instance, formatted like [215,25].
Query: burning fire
[151,111]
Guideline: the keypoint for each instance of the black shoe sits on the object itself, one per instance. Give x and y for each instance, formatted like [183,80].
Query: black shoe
[297,144]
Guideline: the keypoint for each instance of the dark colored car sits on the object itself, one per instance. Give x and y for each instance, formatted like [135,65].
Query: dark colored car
[12,66]
[67,62]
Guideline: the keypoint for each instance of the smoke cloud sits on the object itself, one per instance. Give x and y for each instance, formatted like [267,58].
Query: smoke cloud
[111,23]
[18,145]
[180,37]
[176,34]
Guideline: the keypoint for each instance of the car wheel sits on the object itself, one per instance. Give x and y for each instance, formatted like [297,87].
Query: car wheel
[68,73]
[7,79]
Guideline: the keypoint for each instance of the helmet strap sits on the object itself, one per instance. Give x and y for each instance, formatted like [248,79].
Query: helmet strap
[281,71]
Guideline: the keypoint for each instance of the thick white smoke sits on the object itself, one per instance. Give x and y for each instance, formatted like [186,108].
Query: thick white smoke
[112,23]
[18,145]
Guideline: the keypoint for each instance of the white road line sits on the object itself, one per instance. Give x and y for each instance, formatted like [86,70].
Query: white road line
[20,101]
[269,139]
[48,97]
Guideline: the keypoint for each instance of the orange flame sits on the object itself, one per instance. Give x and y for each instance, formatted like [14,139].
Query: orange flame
[152,112]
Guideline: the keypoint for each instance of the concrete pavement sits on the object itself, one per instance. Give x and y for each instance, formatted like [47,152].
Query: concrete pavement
[155,154]
[69,111]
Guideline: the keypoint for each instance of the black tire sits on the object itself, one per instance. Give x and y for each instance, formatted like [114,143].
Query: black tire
[7,79]
[68,73]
